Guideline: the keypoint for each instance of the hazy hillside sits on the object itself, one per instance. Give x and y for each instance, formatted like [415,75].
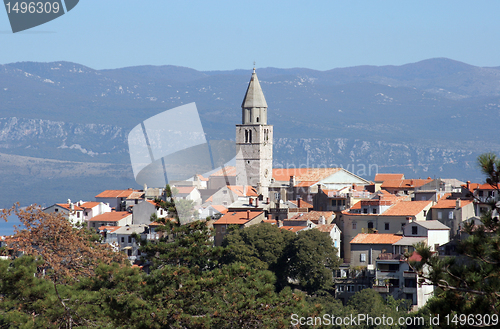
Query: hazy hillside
[430,118]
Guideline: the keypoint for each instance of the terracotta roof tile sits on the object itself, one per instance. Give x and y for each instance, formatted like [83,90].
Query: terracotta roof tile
[303,174]
[450,204]
[239,217]
[384,177]
[313,216]
[404,183]
[115,193]
[109,228]
[325,227]
[184,189]
[220,208]
[303,204]
[67,206]
[113,216]
[293,228]
[200,177]
[239,190]
[406,208]
[365,238]
[89,205]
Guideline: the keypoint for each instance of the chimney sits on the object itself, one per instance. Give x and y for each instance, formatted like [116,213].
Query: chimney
[292,181]
[245,192]
[319,188]
[248,214]
[250,201]
[298,201]
[256,202]
[458,204]
[468,184]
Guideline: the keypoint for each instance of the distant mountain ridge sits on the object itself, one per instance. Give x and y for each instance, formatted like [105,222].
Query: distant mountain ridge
[430,118]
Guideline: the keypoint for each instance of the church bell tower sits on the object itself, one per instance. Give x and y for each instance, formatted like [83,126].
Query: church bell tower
[254,141]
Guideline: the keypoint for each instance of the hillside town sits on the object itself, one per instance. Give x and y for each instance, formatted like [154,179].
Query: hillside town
[374,225]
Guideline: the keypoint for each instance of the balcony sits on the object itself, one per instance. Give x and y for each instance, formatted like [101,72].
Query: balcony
[381,289]
[409,275]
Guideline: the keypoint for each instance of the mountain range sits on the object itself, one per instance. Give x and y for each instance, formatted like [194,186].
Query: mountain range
[64,126]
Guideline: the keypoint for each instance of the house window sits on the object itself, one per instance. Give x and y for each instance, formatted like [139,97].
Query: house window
[224,191]
[480,193]
[365,210]
[374,210]
[386,226]
[491,193]
[450,215]
[224,203]
[136,201]
[123,239]
[425,213]
[440,215]
[223,229]
[78,215]
[93,224]
[340,288]
[370,224]
[354,225]
[362,258]
[86,213]
[414,230]
[56,210]
[161,212]
[129,239]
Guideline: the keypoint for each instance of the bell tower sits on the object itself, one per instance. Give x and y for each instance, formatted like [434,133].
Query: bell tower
[254,141]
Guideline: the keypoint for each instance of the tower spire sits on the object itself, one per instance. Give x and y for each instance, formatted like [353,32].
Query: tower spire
[254,102]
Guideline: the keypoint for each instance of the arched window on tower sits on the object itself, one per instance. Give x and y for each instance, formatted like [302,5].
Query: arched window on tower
[246,136]
[249,136]
[257,119]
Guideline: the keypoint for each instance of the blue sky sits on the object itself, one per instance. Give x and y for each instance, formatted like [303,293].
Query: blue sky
[224,35]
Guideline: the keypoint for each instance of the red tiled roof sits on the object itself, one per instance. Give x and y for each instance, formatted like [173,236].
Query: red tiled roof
[67,206]
[357,205]
[303,204]
[313,216]
[472,186]
[184,189]
[239,190]
[270,221]
[365,238]
[115,193]
[487,187]
[293,228]
[415,256]
[404,183]
[227,171]
[200,177]
[384,177]
[136,195]
[220,208]
[88,205]
[325,227]
[239,217]
[303,174]
[406,208]
[113,216]
[109,228]
[450,204]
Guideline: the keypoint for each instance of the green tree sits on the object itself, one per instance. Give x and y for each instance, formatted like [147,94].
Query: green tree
[260,246]
[309,261]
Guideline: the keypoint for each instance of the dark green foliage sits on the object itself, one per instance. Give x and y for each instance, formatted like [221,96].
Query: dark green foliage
[310,260]
[260,246]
